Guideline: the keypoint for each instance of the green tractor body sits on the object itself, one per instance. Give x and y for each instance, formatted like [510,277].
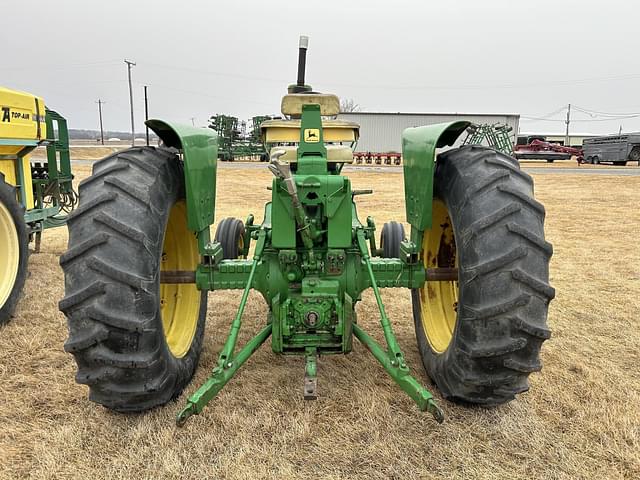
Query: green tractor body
[313,257]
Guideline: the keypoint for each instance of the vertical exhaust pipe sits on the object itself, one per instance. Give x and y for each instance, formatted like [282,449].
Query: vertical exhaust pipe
[302,58]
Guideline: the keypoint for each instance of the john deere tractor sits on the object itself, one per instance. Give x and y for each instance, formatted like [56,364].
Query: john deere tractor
[141,261]
[33,195]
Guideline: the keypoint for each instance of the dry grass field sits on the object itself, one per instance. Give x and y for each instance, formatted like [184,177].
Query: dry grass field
[581,418]
[84,152]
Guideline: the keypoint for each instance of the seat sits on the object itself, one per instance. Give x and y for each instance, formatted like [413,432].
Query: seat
[288,131]
[335,154]
[292,103]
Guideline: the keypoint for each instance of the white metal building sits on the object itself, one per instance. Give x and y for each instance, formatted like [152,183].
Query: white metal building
[382,132]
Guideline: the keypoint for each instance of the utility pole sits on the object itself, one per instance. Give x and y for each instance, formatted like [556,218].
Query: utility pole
[567,121]
[133,129]
[146,113]
[100,102]
[193,121]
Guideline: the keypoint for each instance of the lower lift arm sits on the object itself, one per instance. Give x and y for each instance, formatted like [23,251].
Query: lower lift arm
[392,360]
[228,362]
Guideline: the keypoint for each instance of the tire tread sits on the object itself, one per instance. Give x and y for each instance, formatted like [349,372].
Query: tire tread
[111,282]
[504,288]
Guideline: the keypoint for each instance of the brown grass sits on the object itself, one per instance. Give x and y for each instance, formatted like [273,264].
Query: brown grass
[581,418]
[86,152]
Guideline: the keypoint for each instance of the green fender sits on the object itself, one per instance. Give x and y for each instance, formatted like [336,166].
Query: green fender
[419,158]
[199,147]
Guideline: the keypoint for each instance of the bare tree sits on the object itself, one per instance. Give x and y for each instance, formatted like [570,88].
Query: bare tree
[349,105]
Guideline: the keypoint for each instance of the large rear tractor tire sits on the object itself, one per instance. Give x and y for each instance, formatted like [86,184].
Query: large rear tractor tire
[14,250]
[136,342]
[480,337]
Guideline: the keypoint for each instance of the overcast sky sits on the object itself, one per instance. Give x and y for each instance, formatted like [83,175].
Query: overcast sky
[204,57]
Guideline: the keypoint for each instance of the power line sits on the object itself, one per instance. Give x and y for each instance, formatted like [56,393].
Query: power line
[594,114]
[367,86]
[214,73]
[57,66]
[546,116]
[555,112]
[610,119]
[538,119]
[404,87]
[606,114]
[207,95]
[488,87]
[587,120]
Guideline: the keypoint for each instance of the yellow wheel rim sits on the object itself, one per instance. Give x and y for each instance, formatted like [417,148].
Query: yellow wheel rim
[179,303]
[240,246]
[9,254]
[439,300]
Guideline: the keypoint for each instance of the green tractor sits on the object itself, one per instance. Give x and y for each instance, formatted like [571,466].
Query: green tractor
[141,261]
[235,142]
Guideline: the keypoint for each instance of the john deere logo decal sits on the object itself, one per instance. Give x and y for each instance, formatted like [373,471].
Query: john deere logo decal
[311,135]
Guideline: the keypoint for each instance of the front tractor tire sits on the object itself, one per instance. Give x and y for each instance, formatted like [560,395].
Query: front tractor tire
[230,235]
[136,342]
[391,237]
[480,337]
[14,250]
